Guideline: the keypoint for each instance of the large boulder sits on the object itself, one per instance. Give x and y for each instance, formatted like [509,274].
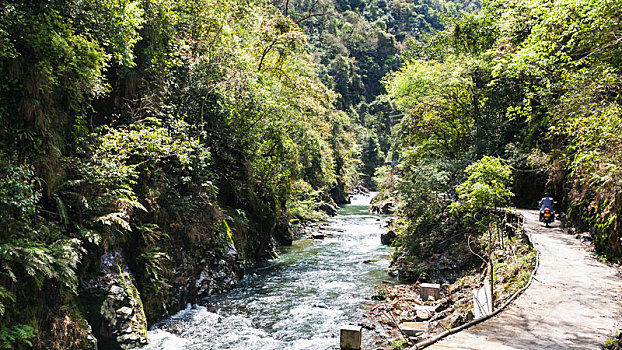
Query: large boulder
[384,207]
[116,309]
[338,193]
[123,312]
[329,208]
[388,237]
[284,232]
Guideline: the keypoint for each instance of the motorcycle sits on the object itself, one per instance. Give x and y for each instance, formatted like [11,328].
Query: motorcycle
[547,216]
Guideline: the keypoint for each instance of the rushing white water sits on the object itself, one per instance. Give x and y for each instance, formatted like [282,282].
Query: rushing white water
[297,301]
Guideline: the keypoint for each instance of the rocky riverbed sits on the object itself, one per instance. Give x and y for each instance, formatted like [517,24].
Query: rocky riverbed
[400,307]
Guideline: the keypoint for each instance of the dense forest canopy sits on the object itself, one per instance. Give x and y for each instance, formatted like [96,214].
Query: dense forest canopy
[534,82]
[121,120]
[141,136]
[151,144]
[355,44]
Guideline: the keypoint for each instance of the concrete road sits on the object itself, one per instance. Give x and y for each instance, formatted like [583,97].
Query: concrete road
[574,302]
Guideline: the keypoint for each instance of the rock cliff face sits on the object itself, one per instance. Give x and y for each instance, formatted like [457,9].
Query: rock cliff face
[132,284]
[115,308]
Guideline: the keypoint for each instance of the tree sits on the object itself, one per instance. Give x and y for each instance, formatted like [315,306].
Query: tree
[488,184]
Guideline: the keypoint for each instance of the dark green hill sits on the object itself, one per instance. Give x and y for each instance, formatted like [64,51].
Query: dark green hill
[355,44]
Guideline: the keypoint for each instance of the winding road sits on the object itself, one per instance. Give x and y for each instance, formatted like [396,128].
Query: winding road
[574,302]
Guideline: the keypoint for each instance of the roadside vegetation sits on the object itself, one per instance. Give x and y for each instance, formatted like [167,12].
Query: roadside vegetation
[532,83]
[467,241]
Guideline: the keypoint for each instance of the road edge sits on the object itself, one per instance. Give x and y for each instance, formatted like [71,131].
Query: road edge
[437,338]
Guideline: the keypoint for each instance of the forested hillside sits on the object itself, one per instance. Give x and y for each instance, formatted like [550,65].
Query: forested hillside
[151,150]
[355,44]
[535,84]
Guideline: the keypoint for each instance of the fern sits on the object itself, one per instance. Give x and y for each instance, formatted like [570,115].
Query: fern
[151,233]
[156,267]
[41,262]
[117,218]
[11,336]
[5,294]
[62,210]
[90,236]
[132,202]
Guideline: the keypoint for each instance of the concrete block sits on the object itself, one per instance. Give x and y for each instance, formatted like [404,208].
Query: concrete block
[350,337]
[430,290]
[413,329]
[482,300]
[428,308]
[422,315]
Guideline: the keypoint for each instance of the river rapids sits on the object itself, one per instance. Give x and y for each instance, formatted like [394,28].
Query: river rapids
[297,301]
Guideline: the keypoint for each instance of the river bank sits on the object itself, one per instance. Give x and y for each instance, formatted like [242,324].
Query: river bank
[398,306]
[296,301]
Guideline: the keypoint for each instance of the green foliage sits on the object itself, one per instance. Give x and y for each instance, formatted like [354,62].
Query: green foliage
[399,344]
[488,184]
[358,42]
[354,44]
[440,104]
[55,63]
[278,36]
[118,24]
[305,201]
[614,343]
[449,120]
[569,63]
[384,177]
[30,265]
[536,79]
[19,195]
[453,115]
[5,295]
[42,262]
[104,182]
[10,337]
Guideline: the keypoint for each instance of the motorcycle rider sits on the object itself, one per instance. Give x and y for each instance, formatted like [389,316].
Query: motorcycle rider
[546,203]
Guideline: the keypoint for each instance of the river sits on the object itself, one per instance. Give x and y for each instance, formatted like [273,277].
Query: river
[297,301]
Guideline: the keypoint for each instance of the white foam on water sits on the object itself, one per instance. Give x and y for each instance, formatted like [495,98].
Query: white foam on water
[296,302]
[160,339]
[362,199]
